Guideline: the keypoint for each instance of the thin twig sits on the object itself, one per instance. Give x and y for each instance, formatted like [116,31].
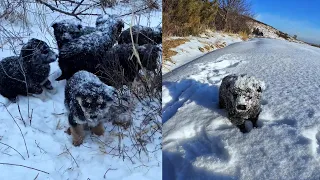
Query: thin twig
[134,12]
[39,147]
[30,118]
[36,177]
[24,140]
[21,115]
[10,164]
[77,7]
[58,10]
[109,169]
[13,149]
[72,156]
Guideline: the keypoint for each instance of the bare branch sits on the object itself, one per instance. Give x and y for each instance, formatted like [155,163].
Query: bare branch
[57,9]
[71,156]
[109,169]
[13,149]
[25,144]
[10,164]
[21,115]
[77,7]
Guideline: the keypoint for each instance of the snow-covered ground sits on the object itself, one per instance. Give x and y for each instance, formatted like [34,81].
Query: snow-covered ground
[50,149]
[195,47]
[199,142]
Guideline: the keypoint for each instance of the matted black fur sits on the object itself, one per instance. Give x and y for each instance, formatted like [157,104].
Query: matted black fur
[119,66]
[84,52]
[87,99]
[141,35]
[241,96]
[31,67]
[65,31]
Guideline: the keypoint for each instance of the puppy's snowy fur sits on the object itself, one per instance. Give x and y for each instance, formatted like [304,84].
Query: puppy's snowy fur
[84,52]
[241,96]
[88,101]
[27,73]
[67,30]
[141,35]
[119,66]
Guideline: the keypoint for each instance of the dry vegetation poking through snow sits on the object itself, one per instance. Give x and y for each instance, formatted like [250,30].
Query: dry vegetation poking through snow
[180,50]
[34,139]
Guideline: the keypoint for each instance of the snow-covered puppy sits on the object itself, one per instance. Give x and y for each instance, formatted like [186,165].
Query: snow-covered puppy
[119,63]
[31,67]
[82,53]
[142,35]
[67,30]
[241,96]
[88,101]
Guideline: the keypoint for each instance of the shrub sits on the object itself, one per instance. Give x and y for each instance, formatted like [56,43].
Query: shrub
[282,35]
[244,36]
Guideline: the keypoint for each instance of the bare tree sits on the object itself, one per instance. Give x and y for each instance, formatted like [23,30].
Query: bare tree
[233,9]
[242,7]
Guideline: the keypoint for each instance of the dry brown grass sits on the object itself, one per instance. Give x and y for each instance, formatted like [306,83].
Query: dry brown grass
[206,48]
[244,35]
[167,46]
[220,45]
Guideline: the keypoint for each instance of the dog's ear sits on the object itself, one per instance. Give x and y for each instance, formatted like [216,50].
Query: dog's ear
[261,86]
[54,25]
[259,89]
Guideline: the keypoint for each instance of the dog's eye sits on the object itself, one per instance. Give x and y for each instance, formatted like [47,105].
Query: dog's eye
[45,51]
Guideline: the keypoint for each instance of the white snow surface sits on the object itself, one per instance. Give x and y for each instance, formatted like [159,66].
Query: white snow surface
[191,49]
[199,142]
[48,144]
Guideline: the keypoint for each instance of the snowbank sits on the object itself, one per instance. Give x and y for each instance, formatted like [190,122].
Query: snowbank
[198,46]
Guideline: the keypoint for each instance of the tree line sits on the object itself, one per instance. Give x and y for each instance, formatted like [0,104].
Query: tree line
[191,17]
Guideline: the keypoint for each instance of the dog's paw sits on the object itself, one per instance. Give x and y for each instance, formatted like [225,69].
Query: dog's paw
[77,141]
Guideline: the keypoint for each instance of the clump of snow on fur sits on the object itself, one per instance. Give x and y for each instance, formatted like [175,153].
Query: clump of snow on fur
[108,30]
[84,77]
[244,82]
[68,22]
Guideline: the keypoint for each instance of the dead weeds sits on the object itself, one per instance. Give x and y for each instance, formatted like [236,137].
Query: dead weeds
[167,46]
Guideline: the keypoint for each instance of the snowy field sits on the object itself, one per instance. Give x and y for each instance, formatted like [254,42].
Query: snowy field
[191,49]
[199,142]
[49,149]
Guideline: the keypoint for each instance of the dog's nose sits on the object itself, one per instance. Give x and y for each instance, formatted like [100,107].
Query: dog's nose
[241,107]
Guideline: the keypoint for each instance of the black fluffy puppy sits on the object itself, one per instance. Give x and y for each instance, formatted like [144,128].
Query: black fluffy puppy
[83,53]
[141,35]
[88,101]
[67,30]
[29,70]
[119,66]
